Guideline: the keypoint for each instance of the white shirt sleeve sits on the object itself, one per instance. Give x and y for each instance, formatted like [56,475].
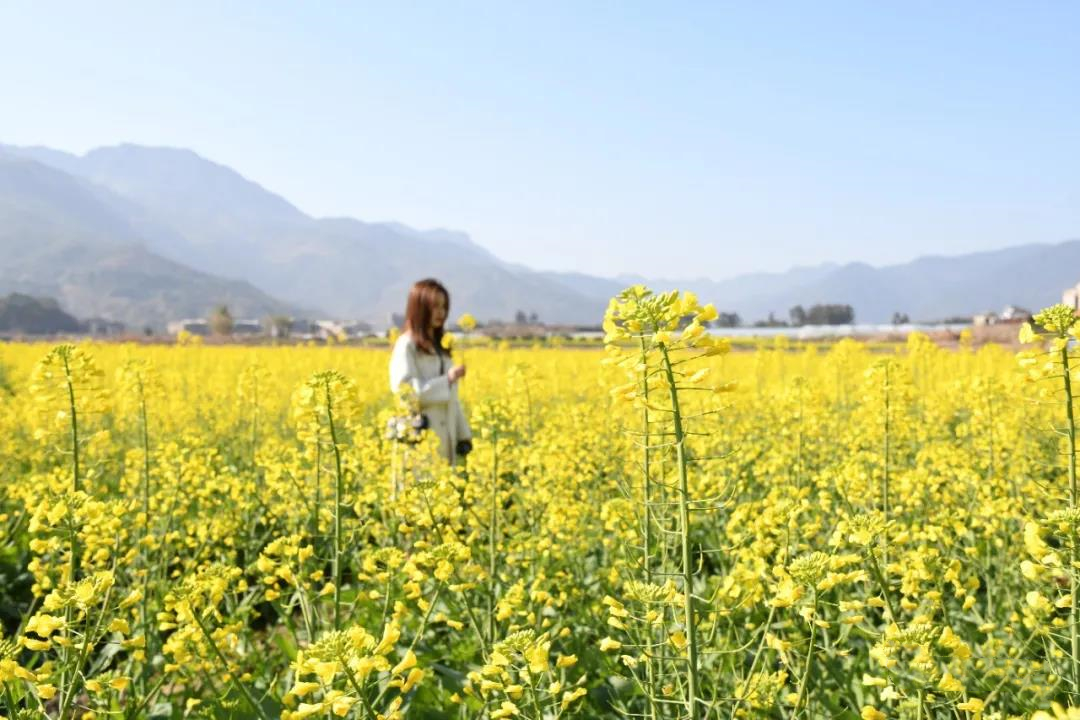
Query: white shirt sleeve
[404,368]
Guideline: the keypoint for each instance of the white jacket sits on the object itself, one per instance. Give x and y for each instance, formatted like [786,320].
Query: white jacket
[438,397]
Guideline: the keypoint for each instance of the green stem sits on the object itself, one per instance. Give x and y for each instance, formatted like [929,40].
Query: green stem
[318,490]
[754,661]
[804,682]
[256,707]
[875,569]
[493,531]
[684,539]
[338,490]
[650,669]
[144,609]
[885,473]
[74,426]
[68,693]
[254,418]
[75,484]
[647,489]
[1074,610]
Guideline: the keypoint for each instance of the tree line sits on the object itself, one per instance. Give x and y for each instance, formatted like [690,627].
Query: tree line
[820,314]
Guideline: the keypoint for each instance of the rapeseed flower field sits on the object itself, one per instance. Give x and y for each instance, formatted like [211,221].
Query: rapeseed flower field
[659,529]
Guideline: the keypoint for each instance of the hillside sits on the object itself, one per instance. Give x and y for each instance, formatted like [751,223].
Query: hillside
[66,239]
[926,289]
[206,215]
[23,314]
[147,234]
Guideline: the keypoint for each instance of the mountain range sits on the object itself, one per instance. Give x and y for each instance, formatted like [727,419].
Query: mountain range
[145,235]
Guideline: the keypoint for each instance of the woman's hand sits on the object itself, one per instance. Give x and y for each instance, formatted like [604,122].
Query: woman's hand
[456,373]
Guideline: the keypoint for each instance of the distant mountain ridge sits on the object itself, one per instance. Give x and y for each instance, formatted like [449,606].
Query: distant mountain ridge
[149,234]
[70,240]
[209,217]
[930,288]
[23,314]
[927,289]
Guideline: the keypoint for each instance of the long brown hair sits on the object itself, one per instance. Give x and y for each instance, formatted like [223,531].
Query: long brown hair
[418,311]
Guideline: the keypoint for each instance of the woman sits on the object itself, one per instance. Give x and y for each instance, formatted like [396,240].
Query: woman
[420,359]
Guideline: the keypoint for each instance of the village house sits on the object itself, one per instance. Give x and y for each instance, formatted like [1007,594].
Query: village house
[103,327]
[194,326]
[247,326]
[1011,314]
[324,329]
[201,326]
[1071,297]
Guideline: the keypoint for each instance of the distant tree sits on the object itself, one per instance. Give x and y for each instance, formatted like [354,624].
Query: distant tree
[771,321]
[830,314]
[520,318]
[899,318]
[221,321]
[797,315]
[279,326]
[34,316]
[534,319]
[727,320]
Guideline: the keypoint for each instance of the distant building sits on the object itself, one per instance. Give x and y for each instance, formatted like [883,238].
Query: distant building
[1011,314]
[1015,314]
[195,326]
[323,329]
[326,328]
[247,327]
[103,327]
[358,329]
[201,326]
[1071,297]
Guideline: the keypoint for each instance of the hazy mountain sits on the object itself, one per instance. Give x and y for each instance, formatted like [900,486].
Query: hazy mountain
[128,213]
[935,287]
[926,289]
[34,316]
[752,291]
[68,239]
[208,216]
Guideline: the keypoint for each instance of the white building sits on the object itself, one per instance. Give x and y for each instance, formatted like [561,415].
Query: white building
[1071,297]
[195,326]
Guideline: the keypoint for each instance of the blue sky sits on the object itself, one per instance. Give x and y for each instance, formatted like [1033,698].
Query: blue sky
[672,139]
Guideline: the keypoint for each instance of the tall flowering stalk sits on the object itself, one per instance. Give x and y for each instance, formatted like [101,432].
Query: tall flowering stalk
[491,422]
[250,388]
[192,608]
[658,377]
[325,408]
[1059,328]
[67,387]
[881,378]
[139,386]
